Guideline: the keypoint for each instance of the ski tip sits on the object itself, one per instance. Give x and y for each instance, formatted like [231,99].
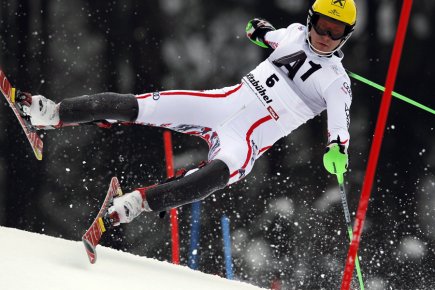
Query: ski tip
[114,181]
[90,250]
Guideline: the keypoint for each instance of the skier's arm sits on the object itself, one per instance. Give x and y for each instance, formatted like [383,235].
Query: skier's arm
[338,98]
[263,34]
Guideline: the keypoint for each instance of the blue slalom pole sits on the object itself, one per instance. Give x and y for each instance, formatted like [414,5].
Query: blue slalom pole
[194,237]
[227,246]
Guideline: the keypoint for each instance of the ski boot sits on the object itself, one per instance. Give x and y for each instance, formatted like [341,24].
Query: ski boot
[23,101]
[37,111]
[127,207]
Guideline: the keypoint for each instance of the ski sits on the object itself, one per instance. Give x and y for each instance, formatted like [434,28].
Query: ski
[9,93]
[93,235]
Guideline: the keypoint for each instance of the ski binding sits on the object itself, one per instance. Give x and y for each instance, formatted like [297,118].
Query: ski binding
[93,235]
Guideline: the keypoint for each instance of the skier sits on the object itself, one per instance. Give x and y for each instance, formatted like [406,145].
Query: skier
[302,77]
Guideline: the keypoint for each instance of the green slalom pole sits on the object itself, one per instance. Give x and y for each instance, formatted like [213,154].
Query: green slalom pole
[397,95]
[340,179]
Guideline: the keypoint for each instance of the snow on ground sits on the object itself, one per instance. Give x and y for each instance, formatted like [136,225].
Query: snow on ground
[35,261]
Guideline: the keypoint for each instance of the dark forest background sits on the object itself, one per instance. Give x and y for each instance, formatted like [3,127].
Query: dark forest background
[287,222]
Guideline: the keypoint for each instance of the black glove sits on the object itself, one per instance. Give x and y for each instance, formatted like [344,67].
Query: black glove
[257,29]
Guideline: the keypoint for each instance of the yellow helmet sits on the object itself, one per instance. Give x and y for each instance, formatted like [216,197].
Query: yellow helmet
[341,10]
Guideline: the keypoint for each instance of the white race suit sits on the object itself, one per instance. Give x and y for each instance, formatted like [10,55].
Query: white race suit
[241,122]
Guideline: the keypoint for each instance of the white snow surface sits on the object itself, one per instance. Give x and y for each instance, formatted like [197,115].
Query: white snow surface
[35,261]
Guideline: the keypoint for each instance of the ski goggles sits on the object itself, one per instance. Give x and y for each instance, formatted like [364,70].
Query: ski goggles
[321,27]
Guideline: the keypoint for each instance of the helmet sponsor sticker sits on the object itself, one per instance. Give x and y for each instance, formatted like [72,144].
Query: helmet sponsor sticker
[339,3]
[334,12]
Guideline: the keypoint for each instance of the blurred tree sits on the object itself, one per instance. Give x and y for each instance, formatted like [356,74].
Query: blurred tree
[15,35]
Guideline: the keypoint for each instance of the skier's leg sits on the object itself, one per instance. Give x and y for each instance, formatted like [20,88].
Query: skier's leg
[236,147]
[169,108]
[103,106]
[187,111]
[83,109]
[193,186]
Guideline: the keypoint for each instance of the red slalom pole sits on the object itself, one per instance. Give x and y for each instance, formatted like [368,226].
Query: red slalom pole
[167,140]
[376,144]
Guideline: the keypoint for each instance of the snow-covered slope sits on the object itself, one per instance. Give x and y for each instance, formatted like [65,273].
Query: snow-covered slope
[35,261]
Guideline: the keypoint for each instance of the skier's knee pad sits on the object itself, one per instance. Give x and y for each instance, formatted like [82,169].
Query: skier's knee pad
[190,188]
[104,106]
